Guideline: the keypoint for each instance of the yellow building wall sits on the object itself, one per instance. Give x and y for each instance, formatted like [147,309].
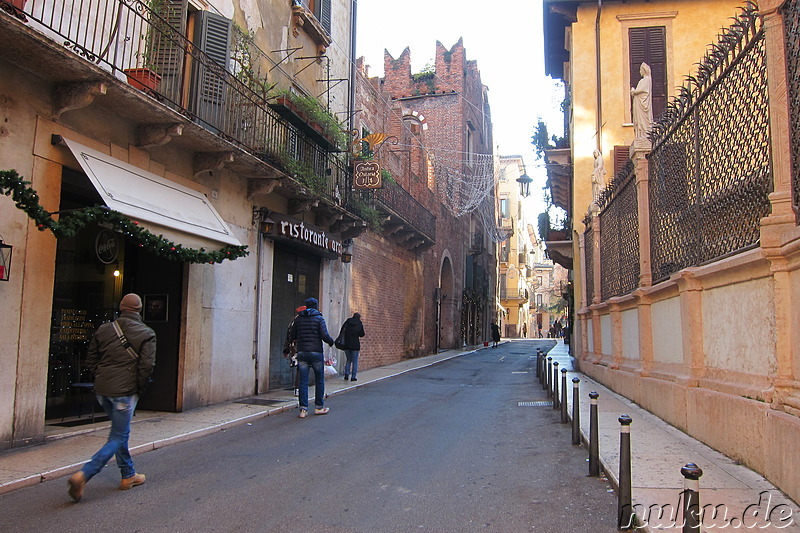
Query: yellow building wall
[690,27]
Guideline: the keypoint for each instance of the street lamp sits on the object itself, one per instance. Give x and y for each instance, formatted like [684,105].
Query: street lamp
[524,183]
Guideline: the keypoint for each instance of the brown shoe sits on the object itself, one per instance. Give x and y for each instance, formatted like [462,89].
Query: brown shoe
[76,482]
[130,482]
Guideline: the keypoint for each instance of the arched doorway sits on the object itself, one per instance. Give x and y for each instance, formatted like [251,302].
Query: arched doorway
[445,306]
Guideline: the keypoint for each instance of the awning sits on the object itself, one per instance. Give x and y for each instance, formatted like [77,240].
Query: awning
[165,208]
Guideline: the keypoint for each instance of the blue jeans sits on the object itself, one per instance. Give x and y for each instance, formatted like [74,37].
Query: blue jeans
[120,411]
[315,360]
[352,358]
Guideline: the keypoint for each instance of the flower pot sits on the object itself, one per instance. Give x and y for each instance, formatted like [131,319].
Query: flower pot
[143,79]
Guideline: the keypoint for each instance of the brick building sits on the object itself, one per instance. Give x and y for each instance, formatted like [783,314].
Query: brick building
[423,276]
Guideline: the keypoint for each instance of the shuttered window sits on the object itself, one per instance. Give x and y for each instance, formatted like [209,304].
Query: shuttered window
[322,11]
[212,36]
[166,54]
[621,156]
[649,45]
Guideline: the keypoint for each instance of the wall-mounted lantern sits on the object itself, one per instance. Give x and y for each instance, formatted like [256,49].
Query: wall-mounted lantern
[5,260]
[267,224]
[347,251]
[524,183]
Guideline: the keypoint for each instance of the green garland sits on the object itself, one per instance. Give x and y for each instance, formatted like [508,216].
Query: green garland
[68,225]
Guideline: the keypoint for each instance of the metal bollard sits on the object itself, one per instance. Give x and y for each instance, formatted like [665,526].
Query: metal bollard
[576,413]
[555,384]
[594,446]
[691,498]
[624,503]
[549,374]
[564,396]
[539,364]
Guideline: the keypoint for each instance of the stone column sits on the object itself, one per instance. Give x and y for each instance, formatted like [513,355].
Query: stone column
[642,171]
[779,233]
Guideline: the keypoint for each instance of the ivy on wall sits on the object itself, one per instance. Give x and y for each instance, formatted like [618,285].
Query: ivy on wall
[69,223]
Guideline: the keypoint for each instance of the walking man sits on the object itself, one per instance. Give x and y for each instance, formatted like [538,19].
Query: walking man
[309,330]
[353,330]
[121,355]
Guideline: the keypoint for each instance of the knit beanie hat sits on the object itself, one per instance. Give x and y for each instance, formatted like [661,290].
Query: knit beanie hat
[131,302]
[311,303]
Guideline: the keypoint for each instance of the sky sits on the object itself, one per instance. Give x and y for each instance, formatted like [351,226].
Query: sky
[505,38]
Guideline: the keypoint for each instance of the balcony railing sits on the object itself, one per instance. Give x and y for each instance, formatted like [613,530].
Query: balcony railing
[193,78]
[395,200]
[513,294]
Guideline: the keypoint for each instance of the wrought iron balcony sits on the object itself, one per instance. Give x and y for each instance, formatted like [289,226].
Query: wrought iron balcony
[400,215]
[113,41]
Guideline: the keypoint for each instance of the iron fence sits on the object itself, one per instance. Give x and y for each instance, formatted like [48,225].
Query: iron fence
[710,169]
[619,236]
[791,19]
[202,79]
[398,200]
[588,238]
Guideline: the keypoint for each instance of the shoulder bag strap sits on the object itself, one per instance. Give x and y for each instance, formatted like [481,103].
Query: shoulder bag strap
[124,340]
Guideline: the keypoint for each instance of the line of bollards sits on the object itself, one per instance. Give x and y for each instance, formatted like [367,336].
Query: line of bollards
[547,372]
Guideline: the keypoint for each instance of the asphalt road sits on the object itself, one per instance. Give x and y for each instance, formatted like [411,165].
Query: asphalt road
[442,449]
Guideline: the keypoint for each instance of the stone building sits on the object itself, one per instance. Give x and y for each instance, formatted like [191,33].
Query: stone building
[212,193]
[686,261]
[427,270]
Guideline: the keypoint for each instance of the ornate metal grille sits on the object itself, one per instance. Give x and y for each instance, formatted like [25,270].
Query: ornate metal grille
[589,253]
[619,236]
[710,170]
[791,19]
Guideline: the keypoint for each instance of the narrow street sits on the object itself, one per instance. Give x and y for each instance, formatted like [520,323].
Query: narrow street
[444,448]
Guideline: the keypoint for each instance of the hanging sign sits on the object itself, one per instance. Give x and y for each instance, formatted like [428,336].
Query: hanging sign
[367,175]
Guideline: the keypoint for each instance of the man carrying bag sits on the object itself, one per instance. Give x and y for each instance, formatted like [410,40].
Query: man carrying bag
[121,355]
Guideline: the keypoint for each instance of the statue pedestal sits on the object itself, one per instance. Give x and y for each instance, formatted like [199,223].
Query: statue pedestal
[640,145]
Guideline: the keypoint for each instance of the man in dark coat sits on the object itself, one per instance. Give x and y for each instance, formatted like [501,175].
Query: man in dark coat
[353,330]
[122,365]
[309,330]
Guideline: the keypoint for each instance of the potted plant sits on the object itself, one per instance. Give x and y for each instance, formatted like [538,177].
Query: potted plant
[308,114]
[144,76]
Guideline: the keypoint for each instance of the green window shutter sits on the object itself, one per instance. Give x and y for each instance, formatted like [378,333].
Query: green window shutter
[212,36]
[324,15]
[167,53]
[649,45]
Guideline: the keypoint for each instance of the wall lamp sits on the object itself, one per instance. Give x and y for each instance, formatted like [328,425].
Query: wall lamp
[5,260]
[347,251]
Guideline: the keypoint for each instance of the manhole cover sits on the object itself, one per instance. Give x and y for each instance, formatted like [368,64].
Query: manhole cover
[261,401]
[540,403]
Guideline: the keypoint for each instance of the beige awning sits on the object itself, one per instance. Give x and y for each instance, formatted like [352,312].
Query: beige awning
[179,213]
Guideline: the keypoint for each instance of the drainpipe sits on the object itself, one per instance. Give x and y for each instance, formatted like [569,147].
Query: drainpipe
[257,313]
[598,77]
[352,96]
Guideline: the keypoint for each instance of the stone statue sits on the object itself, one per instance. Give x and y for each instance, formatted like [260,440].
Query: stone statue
[642,104]
[598,174]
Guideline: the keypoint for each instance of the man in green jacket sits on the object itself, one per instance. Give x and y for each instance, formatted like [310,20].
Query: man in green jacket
[121,356]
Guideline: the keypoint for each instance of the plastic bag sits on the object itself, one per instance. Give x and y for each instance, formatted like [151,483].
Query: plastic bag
[330,370]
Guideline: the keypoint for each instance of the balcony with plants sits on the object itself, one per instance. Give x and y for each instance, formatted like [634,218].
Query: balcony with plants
[215,88]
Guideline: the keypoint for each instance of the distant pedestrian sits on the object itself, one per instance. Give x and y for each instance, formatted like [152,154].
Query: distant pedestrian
[495,334]
[353,330]
[121,355]
[290,349]
[524,330]
[309,330]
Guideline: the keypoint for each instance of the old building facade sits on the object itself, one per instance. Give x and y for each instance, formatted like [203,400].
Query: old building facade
[692,235]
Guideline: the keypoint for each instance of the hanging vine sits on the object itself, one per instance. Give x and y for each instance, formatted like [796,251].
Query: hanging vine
[68,224]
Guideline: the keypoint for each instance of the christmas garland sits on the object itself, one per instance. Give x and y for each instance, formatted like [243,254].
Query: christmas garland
[68,224]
